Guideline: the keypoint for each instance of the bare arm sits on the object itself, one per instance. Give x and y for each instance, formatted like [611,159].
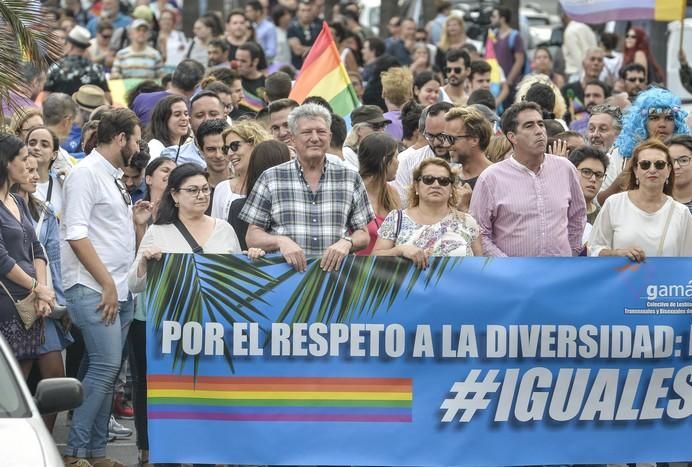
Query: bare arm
[296,47]
[516,67]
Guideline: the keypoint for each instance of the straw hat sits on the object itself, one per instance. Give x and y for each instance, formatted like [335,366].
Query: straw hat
[89,97]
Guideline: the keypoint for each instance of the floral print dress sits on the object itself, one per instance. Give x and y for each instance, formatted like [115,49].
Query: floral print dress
[452,236]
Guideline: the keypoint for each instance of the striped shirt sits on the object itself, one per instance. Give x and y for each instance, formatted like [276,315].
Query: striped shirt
[282,203]
[142,65]
[523,213]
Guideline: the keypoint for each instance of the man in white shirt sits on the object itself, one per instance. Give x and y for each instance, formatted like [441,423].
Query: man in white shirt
[578,39]
[437,147]
[97,251]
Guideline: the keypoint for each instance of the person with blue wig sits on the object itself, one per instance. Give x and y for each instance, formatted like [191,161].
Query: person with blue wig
[655,113]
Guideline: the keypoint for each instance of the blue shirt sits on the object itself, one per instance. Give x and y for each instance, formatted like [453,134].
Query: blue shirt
[120,21]
[265,31]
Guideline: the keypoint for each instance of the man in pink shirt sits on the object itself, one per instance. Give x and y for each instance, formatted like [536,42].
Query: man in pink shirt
[529,204]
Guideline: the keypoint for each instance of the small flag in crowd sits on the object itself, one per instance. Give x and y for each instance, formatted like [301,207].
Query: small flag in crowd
[496,74]
[120,88]
[323,74]
[280,399]
[597,12]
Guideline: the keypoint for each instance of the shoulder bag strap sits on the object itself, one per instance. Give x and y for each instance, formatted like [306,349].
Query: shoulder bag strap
[659,252]
[49,194]
[188,237]
[399,220]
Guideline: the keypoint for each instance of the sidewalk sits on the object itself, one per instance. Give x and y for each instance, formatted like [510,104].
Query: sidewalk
[123,450]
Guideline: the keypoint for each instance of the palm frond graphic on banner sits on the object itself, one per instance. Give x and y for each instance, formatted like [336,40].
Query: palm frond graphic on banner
[229,289]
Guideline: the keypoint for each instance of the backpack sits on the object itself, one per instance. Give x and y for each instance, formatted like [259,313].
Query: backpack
[526,70]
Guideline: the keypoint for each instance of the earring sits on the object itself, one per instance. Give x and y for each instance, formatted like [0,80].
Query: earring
[177,205]
[666,182]
[637,181]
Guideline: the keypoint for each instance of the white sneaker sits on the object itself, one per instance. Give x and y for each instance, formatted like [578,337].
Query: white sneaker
[117,431]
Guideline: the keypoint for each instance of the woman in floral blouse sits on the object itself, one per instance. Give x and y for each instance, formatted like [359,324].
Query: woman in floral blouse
[431,226]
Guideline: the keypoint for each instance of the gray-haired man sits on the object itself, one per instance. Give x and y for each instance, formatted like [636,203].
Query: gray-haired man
[309,206]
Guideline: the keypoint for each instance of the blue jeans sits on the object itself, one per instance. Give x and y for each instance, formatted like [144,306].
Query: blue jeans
[104,348]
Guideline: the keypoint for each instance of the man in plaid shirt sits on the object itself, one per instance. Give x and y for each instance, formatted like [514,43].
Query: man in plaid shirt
[309,206]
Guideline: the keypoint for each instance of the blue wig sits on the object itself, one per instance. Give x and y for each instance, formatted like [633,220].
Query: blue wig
[634,121]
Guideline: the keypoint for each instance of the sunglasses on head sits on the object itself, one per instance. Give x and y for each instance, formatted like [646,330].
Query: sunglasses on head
[658,165]
[429,180]
[453,69]
[232,146]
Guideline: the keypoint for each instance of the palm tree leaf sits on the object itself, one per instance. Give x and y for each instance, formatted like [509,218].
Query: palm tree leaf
[25,37]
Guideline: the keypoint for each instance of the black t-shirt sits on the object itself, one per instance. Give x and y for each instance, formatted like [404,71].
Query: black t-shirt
[306,36]
[254,86]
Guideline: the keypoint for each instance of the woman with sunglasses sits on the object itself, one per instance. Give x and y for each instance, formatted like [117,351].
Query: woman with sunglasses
[431,226]
[180,226]
[169,125]
[644,220]
[238,142]
[637,50]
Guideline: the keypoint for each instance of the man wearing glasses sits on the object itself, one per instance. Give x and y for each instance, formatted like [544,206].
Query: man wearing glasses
[456,71]
[530,204]
[99,247]
[434,118]
[634,78]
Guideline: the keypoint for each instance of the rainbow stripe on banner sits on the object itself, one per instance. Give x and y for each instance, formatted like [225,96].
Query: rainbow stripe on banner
[596,12]
[323,74]
[280,399]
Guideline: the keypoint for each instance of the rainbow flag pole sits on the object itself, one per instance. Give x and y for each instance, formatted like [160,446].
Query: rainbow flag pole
[323,74]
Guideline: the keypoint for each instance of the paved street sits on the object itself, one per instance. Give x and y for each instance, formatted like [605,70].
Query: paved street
[123,450]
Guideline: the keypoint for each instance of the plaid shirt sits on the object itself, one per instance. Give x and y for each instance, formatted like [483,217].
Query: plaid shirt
[282,203]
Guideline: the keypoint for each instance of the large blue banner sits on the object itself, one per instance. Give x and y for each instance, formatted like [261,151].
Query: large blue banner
[470,362]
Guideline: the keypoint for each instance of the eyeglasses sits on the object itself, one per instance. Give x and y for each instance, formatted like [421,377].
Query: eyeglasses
[636,80]
[195,190]
[631,36]
[451,139]
[658,165]
[682,161]
[440,137]
[588,173]
[455,69]
[106,36]
[232,146]
[442,181]
[123,192]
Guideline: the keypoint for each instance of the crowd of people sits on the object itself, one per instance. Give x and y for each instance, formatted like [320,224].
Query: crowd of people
[210,155]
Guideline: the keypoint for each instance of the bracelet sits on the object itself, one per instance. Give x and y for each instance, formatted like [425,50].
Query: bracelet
[34,284]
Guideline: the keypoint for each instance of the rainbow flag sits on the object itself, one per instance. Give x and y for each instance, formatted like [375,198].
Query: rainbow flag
[323,74]
[280,399]
[497,76]
[596,12]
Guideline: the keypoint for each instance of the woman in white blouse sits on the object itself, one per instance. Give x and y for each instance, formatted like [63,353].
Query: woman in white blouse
[180,226]
[644,220]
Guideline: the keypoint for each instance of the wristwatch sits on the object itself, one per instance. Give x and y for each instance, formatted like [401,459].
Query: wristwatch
[348,239]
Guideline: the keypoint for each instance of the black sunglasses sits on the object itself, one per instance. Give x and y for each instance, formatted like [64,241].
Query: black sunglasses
[455,69]
[123,192]
[658,165]
[429,180]
[232,146]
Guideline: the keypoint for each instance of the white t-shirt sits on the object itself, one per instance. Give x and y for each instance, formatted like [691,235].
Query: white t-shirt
[56,200]
[621,224]
[223,197]
[169,239]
